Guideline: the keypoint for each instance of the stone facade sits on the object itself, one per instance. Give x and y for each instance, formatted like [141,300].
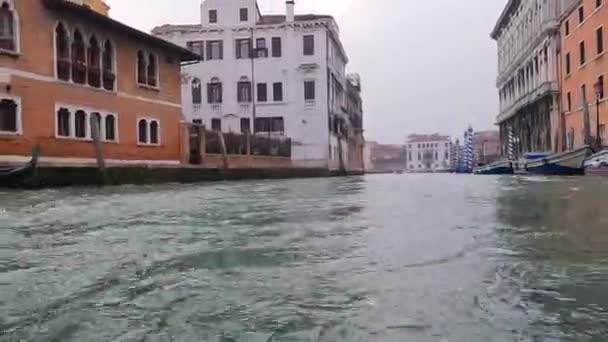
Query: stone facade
[528,41]
[428,153]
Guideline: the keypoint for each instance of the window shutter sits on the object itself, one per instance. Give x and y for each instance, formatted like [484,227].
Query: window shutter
[209,93]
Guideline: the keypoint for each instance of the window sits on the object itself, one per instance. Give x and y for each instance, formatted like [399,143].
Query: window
[108,66]
[599,38]
[141,67]
[309,45]
[277,92]
[581,48]
[154,132]
[244,14]
[569,101]
[270,125]
[197,91]
[212,16]
[309,90]
[262,92]
[598,3]
[583,92]
[581,14]
[63,59]
[245,125]
[152,70]
[214,91]
[568,66]
[243,48]
[260,48]
[9,116]
[197,46]
[600,81]
[142,128]
[96,118]
[110,127]
[215,50]
[63,122]
[277,47]
[197,121]
[94,62]
[567,27]
[148,132]
[216,125]
[79,63]
[8,28]
[244,90]
[80,124]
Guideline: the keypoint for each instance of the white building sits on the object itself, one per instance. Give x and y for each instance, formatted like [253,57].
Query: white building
[294,85]
[428,153]
[528,41]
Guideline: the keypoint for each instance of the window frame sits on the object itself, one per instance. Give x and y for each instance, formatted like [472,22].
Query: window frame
[89,111]
[209,49]
[581,14]
[274,92]
[19,122]
[16,52]
[314,91]
[582,53]
[305,51]
[258,96]
[568,63]
[146,84]
[238,43]
[277,51]
[214,16]
[245,11]
[600,43]
[149,120]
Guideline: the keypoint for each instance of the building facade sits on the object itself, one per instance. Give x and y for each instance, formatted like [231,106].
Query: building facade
[584,69]
[486,147]
[428,153]
[528,42]
[386,158]
[66,69]
[276,75]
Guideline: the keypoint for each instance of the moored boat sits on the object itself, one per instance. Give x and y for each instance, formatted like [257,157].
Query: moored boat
[564,164]
[15,176]
[597,164]
[503,167]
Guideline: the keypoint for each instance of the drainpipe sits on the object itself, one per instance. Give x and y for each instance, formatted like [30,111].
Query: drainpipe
[253,85]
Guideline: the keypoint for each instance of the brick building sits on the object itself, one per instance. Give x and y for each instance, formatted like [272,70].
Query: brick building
[584,68]
[64,65]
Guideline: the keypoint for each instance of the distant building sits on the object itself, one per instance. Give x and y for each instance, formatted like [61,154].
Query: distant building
[277,75]
[428,153]
[386,158]
[486,147]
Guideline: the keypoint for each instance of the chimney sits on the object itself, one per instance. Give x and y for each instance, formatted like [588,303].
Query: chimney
[290,10]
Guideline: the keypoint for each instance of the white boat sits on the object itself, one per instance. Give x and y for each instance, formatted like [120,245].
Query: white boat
[597,164]
[565,163]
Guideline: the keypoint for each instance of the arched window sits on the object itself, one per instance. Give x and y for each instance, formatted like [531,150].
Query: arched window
[8,40]
[214,91]
[110,128]
[154,138]
[244,90]
[62,40]
[197,91]
[80,124]
[79,63]
[96,124]
[63,122]
[141,68]
[152,70]
[142,128]
[108,66]
[94,63]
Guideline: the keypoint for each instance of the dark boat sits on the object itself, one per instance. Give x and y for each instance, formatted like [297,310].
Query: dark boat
[15,176]
[504,167]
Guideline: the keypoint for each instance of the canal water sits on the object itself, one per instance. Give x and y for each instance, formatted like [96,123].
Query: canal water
[419,258]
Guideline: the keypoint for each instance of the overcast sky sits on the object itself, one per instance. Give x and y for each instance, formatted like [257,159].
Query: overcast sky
[426,66]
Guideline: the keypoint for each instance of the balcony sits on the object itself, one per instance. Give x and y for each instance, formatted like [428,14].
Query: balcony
[527,99]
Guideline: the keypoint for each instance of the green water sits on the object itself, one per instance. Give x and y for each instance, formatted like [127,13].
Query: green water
[418,258]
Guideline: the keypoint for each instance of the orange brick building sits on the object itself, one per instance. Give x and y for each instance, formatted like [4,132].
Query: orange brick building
[64,65]
[584,66]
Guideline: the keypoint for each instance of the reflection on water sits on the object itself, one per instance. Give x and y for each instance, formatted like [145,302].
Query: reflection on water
[379,258]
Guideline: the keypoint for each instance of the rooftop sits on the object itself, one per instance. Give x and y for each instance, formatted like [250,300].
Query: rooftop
[94,17]
[419,138]
[505,17]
